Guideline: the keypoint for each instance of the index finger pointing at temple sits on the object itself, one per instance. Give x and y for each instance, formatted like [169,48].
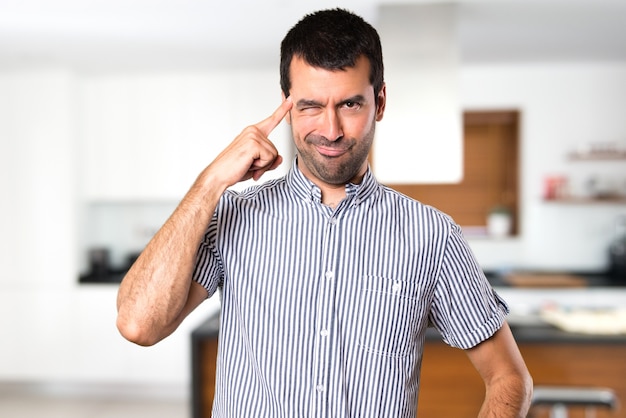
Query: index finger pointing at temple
[267,126]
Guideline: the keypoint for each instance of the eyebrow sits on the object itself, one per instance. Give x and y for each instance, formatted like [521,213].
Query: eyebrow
[307,103]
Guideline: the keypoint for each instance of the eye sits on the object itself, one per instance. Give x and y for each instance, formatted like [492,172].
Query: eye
[309,109]
[352,105]
[307,106]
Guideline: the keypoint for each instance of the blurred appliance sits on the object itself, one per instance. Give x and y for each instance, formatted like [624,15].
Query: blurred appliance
[99,261]
[617,253]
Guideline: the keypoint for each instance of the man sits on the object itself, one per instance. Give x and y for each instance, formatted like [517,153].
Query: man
[329,279]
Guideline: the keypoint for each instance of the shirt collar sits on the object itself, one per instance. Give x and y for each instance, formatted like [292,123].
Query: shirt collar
[308,191]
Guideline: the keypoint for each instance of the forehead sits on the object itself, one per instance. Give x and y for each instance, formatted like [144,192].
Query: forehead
[310,81]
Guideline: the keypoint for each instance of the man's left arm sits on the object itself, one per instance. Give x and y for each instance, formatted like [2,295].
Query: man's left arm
[508,383]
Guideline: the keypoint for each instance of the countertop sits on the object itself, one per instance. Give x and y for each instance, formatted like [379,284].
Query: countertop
[112,277]
[591,279]
[525,331]
[586,279]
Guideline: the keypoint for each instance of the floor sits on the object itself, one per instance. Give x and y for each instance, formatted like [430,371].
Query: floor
[36,401]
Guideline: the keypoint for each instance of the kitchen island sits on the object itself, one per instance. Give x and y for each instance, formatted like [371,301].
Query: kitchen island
[450,386]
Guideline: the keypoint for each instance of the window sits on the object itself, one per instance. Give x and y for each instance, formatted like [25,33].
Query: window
[490,176]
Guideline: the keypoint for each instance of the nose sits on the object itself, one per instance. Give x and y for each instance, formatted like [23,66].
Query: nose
[331,125]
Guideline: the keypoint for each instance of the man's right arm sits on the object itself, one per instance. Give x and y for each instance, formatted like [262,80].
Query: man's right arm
[158,292]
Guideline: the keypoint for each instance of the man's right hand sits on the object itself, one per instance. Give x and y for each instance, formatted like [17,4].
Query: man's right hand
[157,293]
[251,153]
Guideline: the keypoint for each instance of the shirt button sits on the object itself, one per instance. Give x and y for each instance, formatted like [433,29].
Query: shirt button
[329,275]
[332,221]
[396,287]
[324,333]
[320,388]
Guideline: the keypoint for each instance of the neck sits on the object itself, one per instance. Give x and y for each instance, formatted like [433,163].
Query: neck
[332,195]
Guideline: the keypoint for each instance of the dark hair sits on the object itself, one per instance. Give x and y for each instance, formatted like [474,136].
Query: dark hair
[332,39]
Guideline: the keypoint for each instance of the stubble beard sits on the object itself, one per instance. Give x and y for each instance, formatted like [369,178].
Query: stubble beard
[337,170]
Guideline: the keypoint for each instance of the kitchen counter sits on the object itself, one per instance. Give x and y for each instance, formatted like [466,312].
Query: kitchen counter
[584,279]
[523,332]
[589,279]
[113,277]
[553,356]
[546,333]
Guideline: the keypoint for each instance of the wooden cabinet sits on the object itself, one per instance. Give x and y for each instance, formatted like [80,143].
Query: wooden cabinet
[203,358]
[490,180]
[451,387]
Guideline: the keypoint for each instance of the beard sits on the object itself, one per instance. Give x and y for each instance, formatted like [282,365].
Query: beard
[335,170]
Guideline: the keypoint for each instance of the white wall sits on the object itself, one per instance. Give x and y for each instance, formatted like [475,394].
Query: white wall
[54,329]
[37,245]
[38,160]
[563,107]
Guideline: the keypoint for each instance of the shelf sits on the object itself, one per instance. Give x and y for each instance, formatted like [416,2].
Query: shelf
[588,200]
[597,156]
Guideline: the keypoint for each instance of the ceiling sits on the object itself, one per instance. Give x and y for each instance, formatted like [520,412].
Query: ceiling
[122,35]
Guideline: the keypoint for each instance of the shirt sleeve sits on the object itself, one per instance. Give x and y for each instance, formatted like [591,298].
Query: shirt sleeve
[209,269]
[465,308]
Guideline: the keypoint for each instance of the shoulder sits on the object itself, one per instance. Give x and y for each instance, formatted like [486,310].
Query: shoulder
[268,192]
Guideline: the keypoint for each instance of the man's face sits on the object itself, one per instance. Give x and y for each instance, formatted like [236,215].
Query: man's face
[333,120]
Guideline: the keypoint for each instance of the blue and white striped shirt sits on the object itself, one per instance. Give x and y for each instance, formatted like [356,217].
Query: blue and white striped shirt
[324,311]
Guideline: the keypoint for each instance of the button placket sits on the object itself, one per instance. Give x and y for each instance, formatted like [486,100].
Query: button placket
[324,317]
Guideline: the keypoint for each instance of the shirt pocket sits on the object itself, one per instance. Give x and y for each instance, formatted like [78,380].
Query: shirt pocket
[389,316]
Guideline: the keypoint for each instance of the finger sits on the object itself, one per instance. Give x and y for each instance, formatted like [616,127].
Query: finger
[256,174]
[267,126]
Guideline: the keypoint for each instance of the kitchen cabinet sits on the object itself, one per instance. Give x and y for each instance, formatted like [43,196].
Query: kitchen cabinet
[54,330]
[204,342]
[68,335]
[420,138]
[37,141]
[149,136]
[450,386]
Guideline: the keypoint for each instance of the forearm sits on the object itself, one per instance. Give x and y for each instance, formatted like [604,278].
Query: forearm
[153,295]
[507,398]
[157,292]
[508,384]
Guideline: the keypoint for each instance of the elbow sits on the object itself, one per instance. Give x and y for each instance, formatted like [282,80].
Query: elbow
[136,332]
[525,392]
[528,386]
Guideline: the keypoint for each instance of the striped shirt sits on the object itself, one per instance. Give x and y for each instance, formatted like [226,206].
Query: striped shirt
[324,311]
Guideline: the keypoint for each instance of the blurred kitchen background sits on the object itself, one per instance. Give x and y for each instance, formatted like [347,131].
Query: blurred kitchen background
[108,111]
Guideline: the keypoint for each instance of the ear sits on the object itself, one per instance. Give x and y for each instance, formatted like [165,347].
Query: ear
[288,115]
[382,102]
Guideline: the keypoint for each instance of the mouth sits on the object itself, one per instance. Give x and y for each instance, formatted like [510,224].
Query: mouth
[331,152]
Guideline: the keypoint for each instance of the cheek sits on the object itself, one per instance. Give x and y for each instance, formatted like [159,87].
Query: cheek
[360,126]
